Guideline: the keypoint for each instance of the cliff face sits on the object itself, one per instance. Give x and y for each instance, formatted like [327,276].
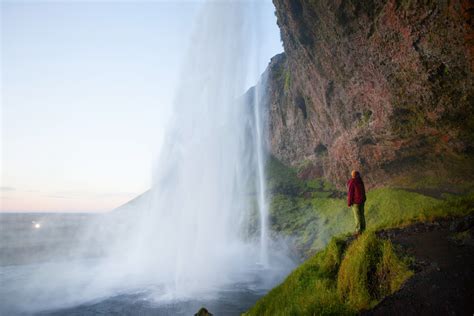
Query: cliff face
[377,85]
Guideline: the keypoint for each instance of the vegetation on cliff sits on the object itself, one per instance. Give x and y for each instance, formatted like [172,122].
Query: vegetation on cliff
[313,211]
[340,280]
[341,276]
[382,86]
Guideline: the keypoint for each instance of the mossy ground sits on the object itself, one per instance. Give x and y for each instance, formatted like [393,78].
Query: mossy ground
[371,270]
[343,278]
[339,280]
[452,174]
[314,211]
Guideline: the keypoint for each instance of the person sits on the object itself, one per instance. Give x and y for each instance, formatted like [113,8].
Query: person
[356,199]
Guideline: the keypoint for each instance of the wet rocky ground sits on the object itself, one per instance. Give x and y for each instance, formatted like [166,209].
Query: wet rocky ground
[443,260]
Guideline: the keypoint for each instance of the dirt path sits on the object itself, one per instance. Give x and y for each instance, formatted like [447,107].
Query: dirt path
[444,280]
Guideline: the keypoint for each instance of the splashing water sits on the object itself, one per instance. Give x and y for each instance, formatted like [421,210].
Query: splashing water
[258,102]
[188,236]
[200,198]
[261,187]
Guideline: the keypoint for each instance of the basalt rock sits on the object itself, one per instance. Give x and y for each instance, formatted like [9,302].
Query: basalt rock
[376,85]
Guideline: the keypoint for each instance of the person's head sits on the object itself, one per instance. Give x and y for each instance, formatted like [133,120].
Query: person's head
[355,174]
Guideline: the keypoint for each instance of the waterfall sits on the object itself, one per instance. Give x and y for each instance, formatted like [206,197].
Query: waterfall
[191,236]
[259,134]
[262,201]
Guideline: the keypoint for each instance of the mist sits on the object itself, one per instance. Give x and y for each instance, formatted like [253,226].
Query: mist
[199,235]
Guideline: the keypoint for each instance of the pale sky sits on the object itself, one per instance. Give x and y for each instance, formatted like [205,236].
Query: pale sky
[86,89]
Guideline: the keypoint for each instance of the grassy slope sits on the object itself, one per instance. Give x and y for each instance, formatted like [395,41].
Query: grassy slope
[343,279]
[314,211]
[338,281]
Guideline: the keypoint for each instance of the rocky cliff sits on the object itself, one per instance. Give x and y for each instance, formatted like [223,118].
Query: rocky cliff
[380,85]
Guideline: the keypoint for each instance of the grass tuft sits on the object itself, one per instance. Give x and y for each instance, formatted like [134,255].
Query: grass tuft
[337,281]
[310,289]
[370,271]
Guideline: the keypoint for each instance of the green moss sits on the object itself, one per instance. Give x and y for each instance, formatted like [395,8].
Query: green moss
[309,290]
[283,180]
[453,206]
[364,118]
[462,237]
[450,173]
[338,282]
[408,116]
[370,271]
[315,184]
[312,221]
[392,270]
[287,83]
[404,4]
[321,195]
[389,207]
[303,165]
[335,218]
[289,214]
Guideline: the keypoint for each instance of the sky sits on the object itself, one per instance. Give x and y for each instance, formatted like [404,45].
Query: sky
[86,90]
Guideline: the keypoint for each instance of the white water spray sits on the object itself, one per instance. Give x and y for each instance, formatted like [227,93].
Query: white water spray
[261,180]
[260,134]
[187,237]
[200,197]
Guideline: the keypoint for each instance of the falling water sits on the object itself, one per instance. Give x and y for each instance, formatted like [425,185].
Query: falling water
[258,102]
[187,237]
[200,199]
[262,199]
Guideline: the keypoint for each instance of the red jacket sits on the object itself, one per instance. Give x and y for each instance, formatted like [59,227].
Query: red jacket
[355,191]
